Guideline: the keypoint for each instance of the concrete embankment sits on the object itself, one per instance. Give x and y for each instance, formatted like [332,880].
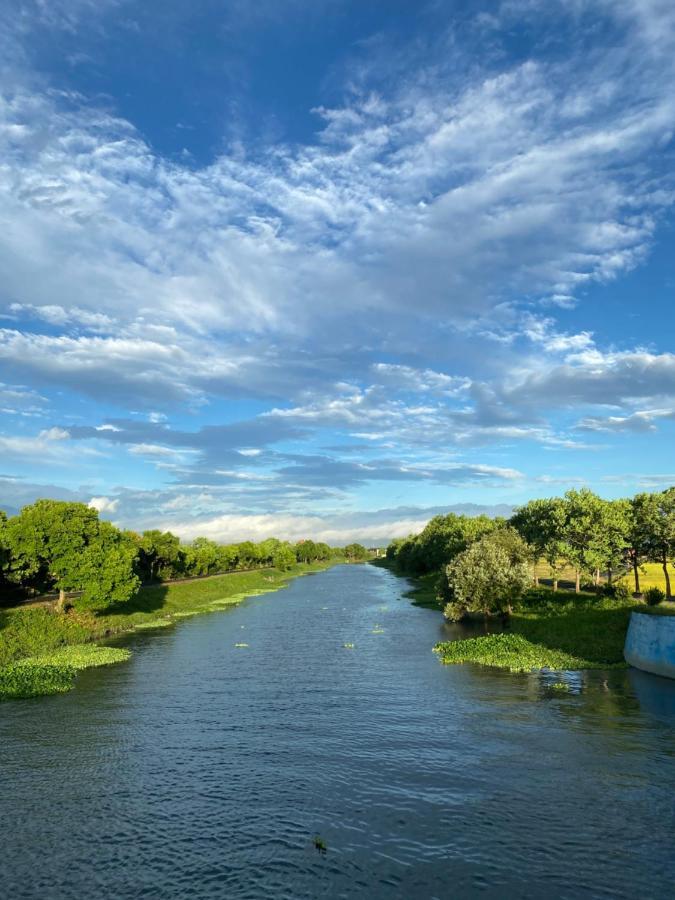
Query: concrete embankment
[650,644]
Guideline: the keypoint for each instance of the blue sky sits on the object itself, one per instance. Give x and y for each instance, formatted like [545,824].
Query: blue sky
[329,268]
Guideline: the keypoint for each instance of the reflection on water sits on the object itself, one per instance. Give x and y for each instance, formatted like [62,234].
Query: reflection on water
[201,769]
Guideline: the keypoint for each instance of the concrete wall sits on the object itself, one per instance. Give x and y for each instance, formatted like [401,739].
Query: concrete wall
[650,644]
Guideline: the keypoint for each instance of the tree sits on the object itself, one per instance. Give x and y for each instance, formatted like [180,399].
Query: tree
[46,542]
[582,531]
[637,549]
[284,557]
[440,541]
[614,534]
[159,555]
[654,524]
[64,545]
[356,552]
[305,551]
[107,573]
[204,556]
[488,577]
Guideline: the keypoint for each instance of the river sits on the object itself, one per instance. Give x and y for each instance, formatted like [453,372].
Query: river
[200,769]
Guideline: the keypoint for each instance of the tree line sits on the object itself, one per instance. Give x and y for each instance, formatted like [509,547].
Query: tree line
[56,545]
[483,557]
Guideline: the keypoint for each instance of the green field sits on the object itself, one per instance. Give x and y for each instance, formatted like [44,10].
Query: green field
[41,650]
[651,575]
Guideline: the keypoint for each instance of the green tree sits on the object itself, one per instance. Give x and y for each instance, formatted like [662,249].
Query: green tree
[4,551]
[654,524]
[582,531]
[54,544]
[615,534]
[107,569]
[204,556]
[356,552]
[488,577]
[160,555]
[284,557]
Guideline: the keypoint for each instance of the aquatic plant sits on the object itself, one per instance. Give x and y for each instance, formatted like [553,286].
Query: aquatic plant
[319,844]
[79,656]
[511,651]
[23,680]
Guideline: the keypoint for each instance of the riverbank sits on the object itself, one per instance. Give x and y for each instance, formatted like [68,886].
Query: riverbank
[41,650]
[577,632]
[552,630]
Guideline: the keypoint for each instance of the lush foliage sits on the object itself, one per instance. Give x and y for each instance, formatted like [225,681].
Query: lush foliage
[35,680]
[653,596]
[583,632]
[441,540]
[355,552]
[488,577]
[596,538]
[508,651]
[52,545]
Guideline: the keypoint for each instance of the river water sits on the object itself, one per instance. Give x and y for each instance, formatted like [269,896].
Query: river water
[201,769]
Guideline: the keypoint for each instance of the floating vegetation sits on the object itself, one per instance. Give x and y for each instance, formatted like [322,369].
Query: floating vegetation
[319,844]
[559,686]
[241,645]
[30,679]
[348,646]
[510,651]
[154,623]
[377,630]
[79,656]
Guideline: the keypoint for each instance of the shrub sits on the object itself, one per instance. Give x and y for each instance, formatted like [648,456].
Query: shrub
[653,596]
[618,591]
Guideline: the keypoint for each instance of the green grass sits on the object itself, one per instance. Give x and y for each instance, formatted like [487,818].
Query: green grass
[423,591]
[663,609]
[651,575]
[41,648]
[574,633]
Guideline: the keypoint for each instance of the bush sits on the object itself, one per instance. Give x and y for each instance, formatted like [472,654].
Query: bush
[618,591]
[653,596]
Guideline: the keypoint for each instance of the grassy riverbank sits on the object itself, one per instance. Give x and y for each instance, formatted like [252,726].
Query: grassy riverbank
[567,632]
[41,650]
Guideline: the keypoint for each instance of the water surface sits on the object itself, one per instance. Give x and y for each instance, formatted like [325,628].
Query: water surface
[199,769]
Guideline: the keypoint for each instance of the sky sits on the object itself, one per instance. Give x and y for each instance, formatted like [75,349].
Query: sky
[325,269]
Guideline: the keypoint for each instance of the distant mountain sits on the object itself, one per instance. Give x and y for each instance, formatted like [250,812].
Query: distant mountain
[10,510]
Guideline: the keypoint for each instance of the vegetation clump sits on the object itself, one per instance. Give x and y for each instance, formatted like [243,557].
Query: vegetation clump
[23,680]
[509,651]
[653,596]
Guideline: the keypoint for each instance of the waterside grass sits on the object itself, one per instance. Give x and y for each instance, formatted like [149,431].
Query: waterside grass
[41,650]
[583,632]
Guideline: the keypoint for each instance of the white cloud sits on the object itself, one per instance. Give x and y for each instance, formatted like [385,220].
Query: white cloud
[104,504]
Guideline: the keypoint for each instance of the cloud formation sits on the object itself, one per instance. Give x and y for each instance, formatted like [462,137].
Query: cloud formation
[395,301]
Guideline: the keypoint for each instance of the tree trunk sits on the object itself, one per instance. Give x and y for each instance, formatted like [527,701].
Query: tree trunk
[636,573]
[61,602]
[555,584]
[609,574]
[596,577]
[664,563]
[577,583]
[534,574]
